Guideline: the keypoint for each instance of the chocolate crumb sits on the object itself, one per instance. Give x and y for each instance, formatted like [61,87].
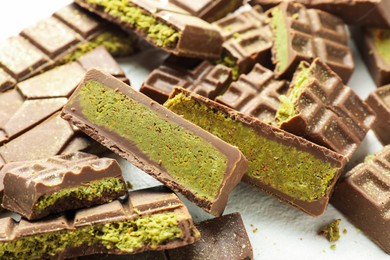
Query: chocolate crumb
[331,231]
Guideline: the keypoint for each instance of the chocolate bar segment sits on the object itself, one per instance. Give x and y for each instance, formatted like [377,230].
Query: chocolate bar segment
[115,228]
[221,238]
[363,196]
[291,168]
[255,94]
[322,109]
[164,25]
[302,34]
[379,102]
[174,151]
[201,77]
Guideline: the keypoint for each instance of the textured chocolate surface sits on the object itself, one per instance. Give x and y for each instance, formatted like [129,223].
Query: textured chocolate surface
[255,94]
[193,32]
[221,238]
[327,112]
[27,183]
[363,196]
[379,101]
[139,204]
[315,207]
[199,76]
[313,33]
[247,38]
[43,45]
[235,162]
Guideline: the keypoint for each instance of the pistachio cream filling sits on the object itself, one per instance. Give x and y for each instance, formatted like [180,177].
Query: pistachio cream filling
[280,41]
[381,39]
[230,63]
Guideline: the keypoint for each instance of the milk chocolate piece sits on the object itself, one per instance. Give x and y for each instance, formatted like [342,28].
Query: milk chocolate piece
[221,238]
[363,196]
[174,151]
[36,189]
[164,25]
[379,101]
[59,39]
[302,34]
[199,76]
[152,219]
[288,167]
[322,109]
[255,94]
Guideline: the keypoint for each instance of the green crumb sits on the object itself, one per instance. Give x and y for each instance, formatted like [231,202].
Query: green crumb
[369,158]
[87,191]
[333,247]
[161,34]
[189,159]
[286,108]
[255,230]
[126,236]
[129,185]
[293,172]
[230,63]
[331,231]
[280,43]
[345,231]
[381,39]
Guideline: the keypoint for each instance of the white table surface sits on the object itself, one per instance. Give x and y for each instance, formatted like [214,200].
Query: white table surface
[282,231]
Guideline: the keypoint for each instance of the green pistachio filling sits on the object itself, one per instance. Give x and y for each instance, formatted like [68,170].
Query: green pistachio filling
[88,191]
[280,43]
[187,158]
[293,172]
[126,236]
[381,40]
[230,63]
[161,34]
[331,231]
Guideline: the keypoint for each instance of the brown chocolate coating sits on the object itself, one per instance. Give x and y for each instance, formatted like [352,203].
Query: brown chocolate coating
[222,238]
[363,196]
[379,101]
[236,163]
[160,200]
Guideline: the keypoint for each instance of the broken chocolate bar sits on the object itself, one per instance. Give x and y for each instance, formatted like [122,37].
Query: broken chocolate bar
[179,154]
[199,76]
[363,196]
[221,238]
[255,94]
[151,219]
[379,101]
[291,168]
[302,34]
[319,107]
[35,189]
[162,24]
[61,38]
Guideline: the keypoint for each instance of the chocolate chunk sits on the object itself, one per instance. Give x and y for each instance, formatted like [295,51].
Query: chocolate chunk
[363,196]
[174,151]
[379,101]
[201,77]
[255,94]
[322,109]
[164,25]
[35,189]
[304,34]
[221,238]
[115,228]
[291,168]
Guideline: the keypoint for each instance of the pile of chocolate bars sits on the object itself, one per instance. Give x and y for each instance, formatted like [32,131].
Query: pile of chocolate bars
[251,91]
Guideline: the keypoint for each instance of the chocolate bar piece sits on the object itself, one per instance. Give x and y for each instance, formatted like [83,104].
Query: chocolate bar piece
[199,76]
[152,219]
[291,168]
[321,108]
[302,34]
[221,238]
[373,45]
[35,189]
[179,154]
[379,102]
[247,39]
[363,196]
[162,24]
[61,38]
[256,94]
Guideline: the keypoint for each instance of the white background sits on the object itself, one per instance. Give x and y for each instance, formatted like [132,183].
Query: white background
[282,231]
